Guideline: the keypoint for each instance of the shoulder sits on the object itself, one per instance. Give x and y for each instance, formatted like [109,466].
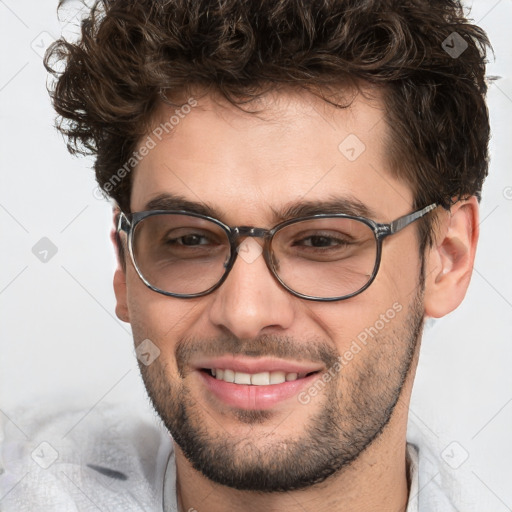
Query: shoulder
[106,458]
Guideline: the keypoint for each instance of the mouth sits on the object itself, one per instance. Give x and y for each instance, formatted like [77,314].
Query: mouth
[265,378]
[250,384]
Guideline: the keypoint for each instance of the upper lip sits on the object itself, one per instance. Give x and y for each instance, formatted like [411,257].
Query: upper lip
[253,365]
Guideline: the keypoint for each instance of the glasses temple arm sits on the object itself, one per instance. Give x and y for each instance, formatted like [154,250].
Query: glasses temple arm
[405,220]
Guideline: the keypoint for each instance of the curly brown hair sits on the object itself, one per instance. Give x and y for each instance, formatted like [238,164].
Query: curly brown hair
[132,54]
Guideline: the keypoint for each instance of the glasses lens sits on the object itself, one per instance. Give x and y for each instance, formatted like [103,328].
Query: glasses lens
[325,258]
[180,254]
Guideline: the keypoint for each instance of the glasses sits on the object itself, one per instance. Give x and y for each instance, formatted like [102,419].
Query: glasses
[326,257]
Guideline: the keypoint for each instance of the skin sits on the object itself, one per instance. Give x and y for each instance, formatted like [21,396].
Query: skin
[246,167]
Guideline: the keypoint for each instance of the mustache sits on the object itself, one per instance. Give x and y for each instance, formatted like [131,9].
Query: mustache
[281,347]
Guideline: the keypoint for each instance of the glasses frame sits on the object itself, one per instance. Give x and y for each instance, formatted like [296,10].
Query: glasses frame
[128,222]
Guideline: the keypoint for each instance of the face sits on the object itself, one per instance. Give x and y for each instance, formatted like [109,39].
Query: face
[346,362]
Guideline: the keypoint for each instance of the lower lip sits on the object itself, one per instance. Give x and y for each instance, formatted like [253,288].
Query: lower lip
[244,396]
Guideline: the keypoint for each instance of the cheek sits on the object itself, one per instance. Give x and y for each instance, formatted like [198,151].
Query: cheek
[381,307]
[156,317]
[360,319]
[404,279]
[399,274]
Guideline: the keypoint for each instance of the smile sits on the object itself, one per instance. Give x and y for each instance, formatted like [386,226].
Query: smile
[265,378]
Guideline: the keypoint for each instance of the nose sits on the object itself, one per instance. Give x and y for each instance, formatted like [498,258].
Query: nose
[250,300]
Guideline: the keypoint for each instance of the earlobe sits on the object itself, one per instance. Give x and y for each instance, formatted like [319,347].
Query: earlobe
[449,262]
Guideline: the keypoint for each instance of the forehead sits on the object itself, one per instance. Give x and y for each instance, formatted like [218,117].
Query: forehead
[247,167]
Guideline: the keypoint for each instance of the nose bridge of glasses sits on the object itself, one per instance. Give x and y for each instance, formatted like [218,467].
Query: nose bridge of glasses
[245,231]
[242,232]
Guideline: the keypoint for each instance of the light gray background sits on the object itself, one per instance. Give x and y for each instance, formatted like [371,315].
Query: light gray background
[62,345]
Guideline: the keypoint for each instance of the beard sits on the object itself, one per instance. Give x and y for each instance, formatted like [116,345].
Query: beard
[351,411]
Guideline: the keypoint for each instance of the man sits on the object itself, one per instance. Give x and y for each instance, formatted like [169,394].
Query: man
[296,189]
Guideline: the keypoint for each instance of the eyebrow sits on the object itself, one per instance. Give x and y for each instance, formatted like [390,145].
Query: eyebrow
[335,204]
[347,205]
[173,202]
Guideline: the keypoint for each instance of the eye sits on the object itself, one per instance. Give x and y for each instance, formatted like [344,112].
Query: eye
[320,241]
[190,237]
[190,240]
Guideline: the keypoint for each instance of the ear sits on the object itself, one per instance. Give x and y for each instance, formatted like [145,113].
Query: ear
[120,292]
[120,273]
[449,262]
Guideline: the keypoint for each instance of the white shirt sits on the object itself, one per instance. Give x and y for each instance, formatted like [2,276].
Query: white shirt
[110,460]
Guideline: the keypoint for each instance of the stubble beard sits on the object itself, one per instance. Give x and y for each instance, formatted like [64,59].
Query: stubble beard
[352,411]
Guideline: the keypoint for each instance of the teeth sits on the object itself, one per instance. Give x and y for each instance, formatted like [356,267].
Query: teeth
[256,379]
[260,379]
[229,376]
[277,377]
[242,378]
